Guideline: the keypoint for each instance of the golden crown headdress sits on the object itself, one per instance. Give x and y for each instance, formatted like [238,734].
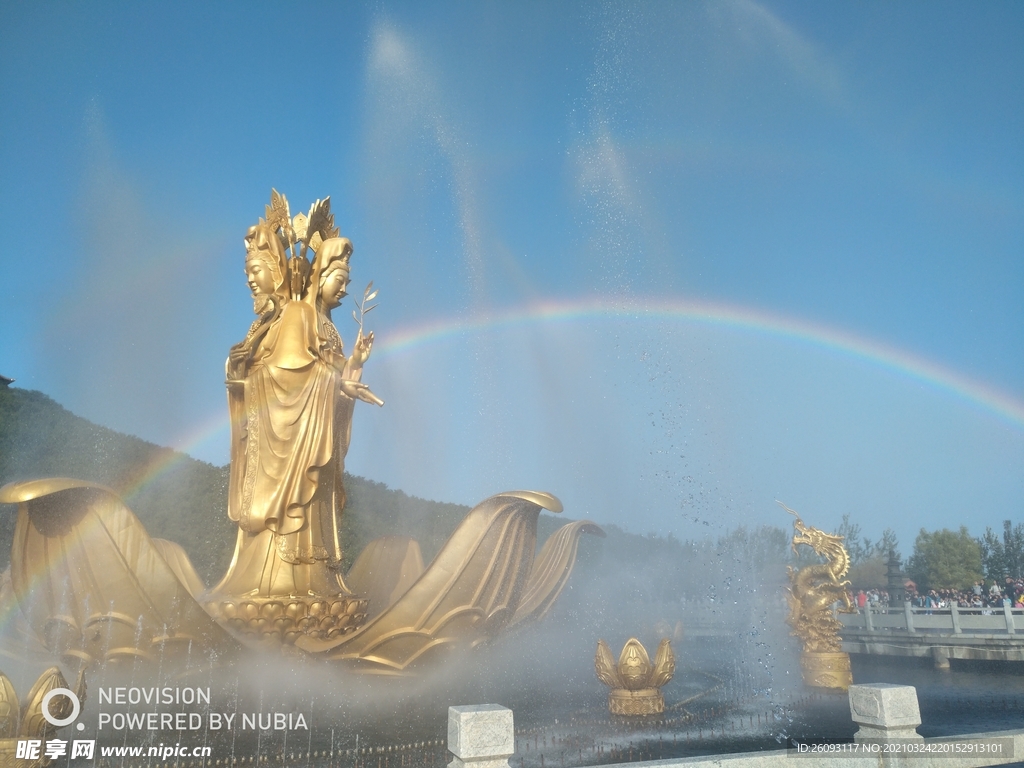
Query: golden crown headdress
[297,236]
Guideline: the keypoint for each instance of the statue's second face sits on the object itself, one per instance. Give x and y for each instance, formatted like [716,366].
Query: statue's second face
[333,289]
[259,276]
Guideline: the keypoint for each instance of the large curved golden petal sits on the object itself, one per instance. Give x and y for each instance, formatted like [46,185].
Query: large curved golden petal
[604,665]
[10,709]
[466,595]
[33,724]
[664,664]
[552,569]
[90,581]
[542,499]
[385,570]
[16,493]
[178,561]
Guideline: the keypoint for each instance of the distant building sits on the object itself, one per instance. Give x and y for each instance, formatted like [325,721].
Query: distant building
[5,382]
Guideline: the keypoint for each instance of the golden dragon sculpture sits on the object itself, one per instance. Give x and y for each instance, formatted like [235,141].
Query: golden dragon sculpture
[813,590]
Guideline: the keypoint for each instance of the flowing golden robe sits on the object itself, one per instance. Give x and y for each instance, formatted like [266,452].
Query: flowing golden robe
[290,431]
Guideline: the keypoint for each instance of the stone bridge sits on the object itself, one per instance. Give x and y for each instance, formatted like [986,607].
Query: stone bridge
[941,634]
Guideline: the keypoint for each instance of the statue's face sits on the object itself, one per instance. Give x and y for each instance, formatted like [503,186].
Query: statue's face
[334,288]
[259,276]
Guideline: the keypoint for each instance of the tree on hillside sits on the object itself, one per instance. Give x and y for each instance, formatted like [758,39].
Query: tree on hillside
[870,571]
[888,543]
[861,548]
[757,549]
[858,547]
[869,574]
[945,559]
[1003,555]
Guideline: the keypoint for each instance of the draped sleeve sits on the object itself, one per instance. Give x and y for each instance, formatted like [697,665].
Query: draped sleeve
[287,431]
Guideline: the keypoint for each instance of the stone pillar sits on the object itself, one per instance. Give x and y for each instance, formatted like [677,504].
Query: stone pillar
[940,657]
[885,712]
[908,614]
[481,736]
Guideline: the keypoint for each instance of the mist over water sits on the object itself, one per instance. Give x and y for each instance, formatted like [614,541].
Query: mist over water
[732,655]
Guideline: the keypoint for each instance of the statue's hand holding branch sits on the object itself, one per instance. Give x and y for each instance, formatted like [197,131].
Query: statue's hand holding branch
[361,350]
[359,391]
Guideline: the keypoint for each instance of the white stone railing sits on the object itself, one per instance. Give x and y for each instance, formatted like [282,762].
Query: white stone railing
[888,716]
[954,620]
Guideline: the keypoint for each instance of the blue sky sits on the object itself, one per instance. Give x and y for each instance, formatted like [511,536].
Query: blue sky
[681,185]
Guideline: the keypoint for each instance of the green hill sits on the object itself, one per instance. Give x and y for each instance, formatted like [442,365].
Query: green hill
[175,496]
[179,498]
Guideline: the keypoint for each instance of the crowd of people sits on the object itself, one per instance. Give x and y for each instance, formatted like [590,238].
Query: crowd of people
[979,597]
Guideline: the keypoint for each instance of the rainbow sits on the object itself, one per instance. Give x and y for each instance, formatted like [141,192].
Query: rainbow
[712,314]
[167,459]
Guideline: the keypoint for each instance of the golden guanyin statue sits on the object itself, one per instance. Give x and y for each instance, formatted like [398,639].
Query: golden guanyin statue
[93,587]
[813,590]
[291,393]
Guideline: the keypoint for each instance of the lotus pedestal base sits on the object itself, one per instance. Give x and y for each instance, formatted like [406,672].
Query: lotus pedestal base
[283,619]
[646,701]
[829,669]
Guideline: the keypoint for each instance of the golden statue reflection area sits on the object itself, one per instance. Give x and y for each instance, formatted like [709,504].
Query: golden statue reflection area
[93,587]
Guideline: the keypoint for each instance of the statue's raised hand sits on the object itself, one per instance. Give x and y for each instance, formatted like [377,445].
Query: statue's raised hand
[361,350]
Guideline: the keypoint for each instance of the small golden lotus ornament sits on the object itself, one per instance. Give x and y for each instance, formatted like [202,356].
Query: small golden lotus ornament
[635,683]
[25,720]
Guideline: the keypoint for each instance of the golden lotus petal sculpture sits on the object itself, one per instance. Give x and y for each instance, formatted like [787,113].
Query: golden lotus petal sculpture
[10,709]
[466,596]
[552,569]
[26,721]
[93,585]
[95,588]
[385,570]
[634,681]
[664,665]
